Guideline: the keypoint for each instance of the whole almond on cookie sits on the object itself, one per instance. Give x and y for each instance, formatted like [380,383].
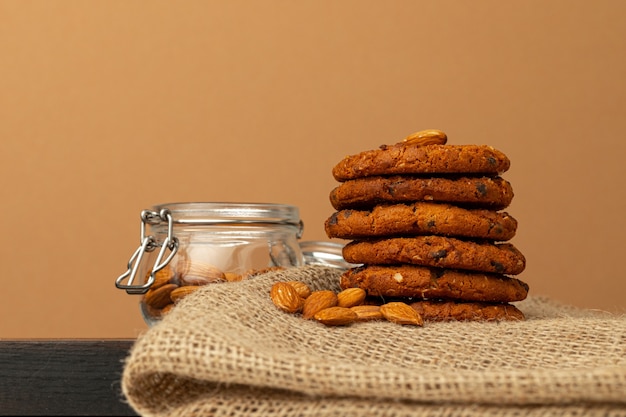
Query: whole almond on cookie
[335,316]
[317,301]
[426,137]
[286,298]
[401,313]
[351,297]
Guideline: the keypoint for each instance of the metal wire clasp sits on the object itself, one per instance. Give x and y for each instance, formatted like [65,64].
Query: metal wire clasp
[148,244]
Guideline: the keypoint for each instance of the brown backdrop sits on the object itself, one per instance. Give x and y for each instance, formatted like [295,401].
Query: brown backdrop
[108,107]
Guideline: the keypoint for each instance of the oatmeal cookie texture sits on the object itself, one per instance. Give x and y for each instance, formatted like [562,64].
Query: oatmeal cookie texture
[438,251]
[481,192]
[425,224]
[413,158]
[449,310]
[419,282]
[421,218]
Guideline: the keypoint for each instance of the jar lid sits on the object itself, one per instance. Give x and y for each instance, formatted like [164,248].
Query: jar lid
[200,213]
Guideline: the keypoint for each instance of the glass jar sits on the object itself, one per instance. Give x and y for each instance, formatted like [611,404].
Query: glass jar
[186,245]
[327,254]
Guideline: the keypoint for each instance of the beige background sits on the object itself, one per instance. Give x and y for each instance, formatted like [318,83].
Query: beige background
[109,107]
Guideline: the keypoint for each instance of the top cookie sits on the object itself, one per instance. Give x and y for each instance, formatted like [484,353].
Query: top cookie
[408,158]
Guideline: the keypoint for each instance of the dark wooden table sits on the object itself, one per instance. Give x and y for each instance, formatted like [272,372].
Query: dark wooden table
[63,377]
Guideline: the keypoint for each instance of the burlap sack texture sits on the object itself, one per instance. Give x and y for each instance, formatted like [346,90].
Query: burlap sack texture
[226,350]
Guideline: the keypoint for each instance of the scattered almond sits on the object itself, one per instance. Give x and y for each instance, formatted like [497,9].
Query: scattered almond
[303,290]
[367,312]
[232,276]
[317,301]
[336,316]
[286,297]
[351,297]
[338,309]
[401,313]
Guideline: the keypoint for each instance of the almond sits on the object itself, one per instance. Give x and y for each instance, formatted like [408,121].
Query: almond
[426,137]
[162,277]
[166,309]
[351,297]
[317,301]
[286,297]
[181,292]
[335,316]
[153,312]
[232,276]
[401,313]
[198,273]
[367,312]
[303,290]
[159,297]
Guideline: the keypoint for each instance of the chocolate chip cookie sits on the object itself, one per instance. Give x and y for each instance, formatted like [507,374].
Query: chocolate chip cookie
[421,218]
[439,310]
[494,193]
[437,251]
[405,158]
[411,281]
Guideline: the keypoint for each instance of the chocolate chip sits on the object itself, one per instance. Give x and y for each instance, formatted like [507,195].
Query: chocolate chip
[497,266]
[482,189]
[431,223]
[491,160]
[391,188]
[438,254]
[333,219]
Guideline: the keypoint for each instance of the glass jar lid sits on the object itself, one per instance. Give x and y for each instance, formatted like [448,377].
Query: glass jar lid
[198,213]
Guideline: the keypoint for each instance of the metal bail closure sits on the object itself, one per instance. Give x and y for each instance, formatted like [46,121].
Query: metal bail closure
[148,244]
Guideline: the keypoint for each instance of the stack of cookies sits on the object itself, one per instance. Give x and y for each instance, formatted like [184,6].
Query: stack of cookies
[425,223]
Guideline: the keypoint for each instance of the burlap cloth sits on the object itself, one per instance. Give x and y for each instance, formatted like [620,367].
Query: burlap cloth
[226,350]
